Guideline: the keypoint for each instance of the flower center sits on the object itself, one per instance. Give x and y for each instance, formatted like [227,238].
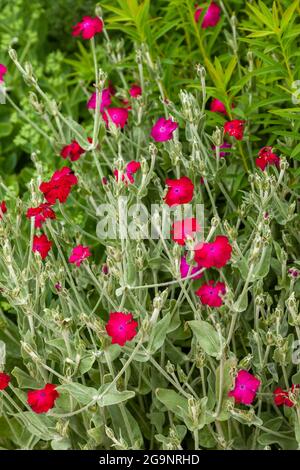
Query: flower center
[162,129]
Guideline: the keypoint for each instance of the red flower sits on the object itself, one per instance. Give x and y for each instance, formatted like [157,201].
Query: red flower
[40,214]
[104,102]
[135,91]
[41,245]
[79,254]
[235,128]
[181,229]
[186,270]
[88,27]
[211,17]
[131,169]
[3,209]
[118,116]
[3,71]
[267,157]
[59,186]
[180,191]
[121,327]
[209,294]
[73,151]
[163,129]
[282,397]
[42,400]
[215,254]
[4,380]
[246,386]
[216,106]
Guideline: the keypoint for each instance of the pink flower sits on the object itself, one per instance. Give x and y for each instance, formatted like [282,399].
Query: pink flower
[118,116]
[131,168]
[41,245]
[73,151]
[266,157]
[79,254]
[185,270]
[246,386]
[209,294]
[235,128]
[135,91]
[181,229]
[40,214]
[180,191]
[163,130]
[211,17]
[88,27]
[43,400]
[225,145]
[121,327]
[217,106]
[215,254]
[105,100]
[3,209]
[4,380]
[3,71]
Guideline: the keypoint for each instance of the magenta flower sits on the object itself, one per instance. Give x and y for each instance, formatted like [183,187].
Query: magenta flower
[246,386]
[79,254]
[3,71]
[224,146]
[163,130]
[88,27]
[135,91]
[118,116]
[216,106]
[121,327]
[211,17]
[131,168]
[105,100]
[209,294]
[214,254]
[185,270]
[180,191]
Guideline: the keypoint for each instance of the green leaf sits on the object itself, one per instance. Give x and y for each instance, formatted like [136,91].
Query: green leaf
[24,380]
[207,337]
[172,401]
[113,396]
[81,393]
[6,129]
[288,14]
[159,333]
